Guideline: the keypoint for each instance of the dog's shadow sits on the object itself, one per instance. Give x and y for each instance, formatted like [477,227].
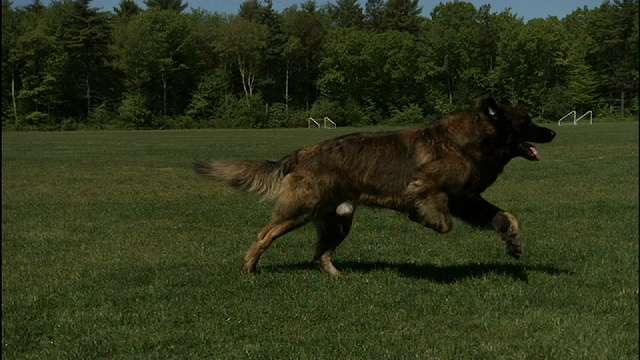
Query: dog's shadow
[444,274]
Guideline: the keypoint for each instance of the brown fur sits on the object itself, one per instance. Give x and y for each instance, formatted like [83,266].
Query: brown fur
[430,173]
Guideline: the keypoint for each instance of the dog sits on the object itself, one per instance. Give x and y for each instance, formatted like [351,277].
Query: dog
[431,174]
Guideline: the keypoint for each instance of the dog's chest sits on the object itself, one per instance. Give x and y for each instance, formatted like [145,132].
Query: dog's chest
[481,177]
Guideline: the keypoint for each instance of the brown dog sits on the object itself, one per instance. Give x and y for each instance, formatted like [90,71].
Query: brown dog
[431,174]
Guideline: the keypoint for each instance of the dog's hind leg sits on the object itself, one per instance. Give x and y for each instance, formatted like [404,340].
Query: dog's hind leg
[332,228]
[286,217]
[268,235]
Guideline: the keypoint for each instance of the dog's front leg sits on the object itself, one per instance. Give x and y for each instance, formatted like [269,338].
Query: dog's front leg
[507,225]
[479,212]
[431,210]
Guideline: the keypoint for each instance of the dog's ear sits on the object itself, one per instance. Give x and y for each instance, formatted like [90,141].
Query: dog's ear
[490,107]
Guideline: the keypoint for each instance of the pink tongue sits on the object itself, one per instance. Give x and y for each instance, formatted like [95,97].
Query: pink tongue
[535,152]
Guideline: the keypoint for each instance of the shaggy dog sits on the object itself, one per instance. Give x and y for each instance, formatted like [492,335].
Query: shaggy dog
[431,174]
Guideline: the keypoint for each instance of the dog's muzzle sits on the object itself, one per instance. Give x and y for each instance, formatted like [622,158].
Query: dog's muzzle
[537,134]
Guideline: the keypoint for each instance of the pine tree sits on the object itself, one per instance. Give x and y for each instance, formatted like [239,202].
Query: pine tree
[127,8]
[174,5]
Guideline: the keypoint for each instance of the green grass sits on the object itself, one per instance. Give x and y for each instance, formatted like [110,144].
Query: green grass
[113,248]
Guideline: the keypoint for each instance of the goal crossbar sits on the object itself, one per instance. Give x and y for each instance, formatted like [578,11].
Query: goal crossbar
[329,121]
[566,116]
[326,123]
[590,113]
[576,118]
[314,121]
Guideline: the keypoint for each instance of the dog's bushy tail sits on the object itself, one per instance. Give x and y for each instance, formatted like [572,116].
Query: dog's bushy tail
[261,177]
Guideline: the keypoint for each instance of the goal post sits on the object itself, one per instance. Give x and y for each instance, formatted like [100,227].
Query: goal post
[312,120]
[590,113]
[577,118]
[572,113]
[326,123]
[329,124]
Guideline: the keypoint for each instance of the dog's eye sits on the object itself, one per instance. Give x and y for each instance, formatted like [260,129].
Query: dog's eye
[527,120]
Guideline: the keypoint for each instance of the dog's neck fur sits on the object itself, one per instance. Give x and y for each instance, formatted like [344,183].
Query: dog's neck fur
[481,137]
[481,133]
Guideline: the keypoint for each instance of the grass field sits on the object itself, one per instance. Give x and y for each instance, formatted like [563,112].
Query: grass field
[113,248]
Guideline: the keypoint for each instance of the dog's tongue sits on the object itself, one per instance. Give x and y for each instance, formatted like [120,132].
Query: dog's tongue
[529,152]
[533,151]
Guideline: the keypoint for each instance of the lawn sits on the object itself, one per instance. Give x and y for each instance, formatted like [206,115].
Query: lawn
[113,248]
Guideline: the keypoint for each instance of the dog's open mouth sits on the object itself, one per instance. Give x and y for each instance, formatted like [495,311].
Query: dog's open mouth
[528,151]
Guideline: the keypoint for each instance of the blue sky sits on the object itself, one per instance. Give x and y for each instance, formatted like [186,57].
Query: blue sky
[528,9]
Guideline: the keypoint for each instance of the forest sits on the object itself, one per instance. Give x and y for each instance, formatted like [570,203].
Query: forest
[71,66]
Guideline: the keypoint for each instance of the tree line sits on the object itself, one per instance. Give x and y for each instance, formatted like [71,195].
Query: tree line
[70,65]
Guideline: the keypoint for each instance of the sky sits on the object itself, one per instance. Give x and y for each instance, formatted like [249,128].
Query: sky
[527,9]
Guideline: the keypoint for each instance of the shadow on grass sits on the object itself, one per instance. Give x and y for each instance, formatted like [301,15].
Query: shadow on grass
[445,274]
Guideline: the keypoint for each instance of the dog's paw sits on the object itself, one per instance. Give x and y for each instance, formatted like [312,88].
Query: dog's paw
[248,268]
[514,250]
[512,237]
[508,227]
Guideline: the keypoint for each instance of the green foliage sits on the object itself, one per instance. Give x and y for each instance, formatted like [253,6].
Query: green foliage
[102,117]
[11,32]
[346,13]
[157,53]
[69,124]
[206,98]
[242,44]
[306,33]
[449,64]
[38,119]
[374,17]
[135,112]
[556,103]
[612,26]
[84,34]
[173,5]
[241,112]
[347,114]
[532,60]
[126,9]
[411,114]
[608,113]
[582,79]
[371,69]
[113,248]
[68,60]
[403,15]
[281,116]
[44,61]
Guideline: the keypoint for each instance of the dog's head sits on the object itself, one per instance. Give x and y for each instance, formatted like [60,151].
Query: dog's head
[515,128]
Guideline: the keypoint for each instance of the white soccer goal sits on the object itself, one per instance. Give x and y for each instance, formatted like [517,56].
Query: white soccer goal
[326,123]
[329,124]
[576,119]
[572,113]
[590,113]
[312,120]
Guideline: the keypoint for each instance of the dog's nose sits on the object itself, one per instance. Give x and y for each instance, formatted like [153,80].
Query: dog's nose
[552,134]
